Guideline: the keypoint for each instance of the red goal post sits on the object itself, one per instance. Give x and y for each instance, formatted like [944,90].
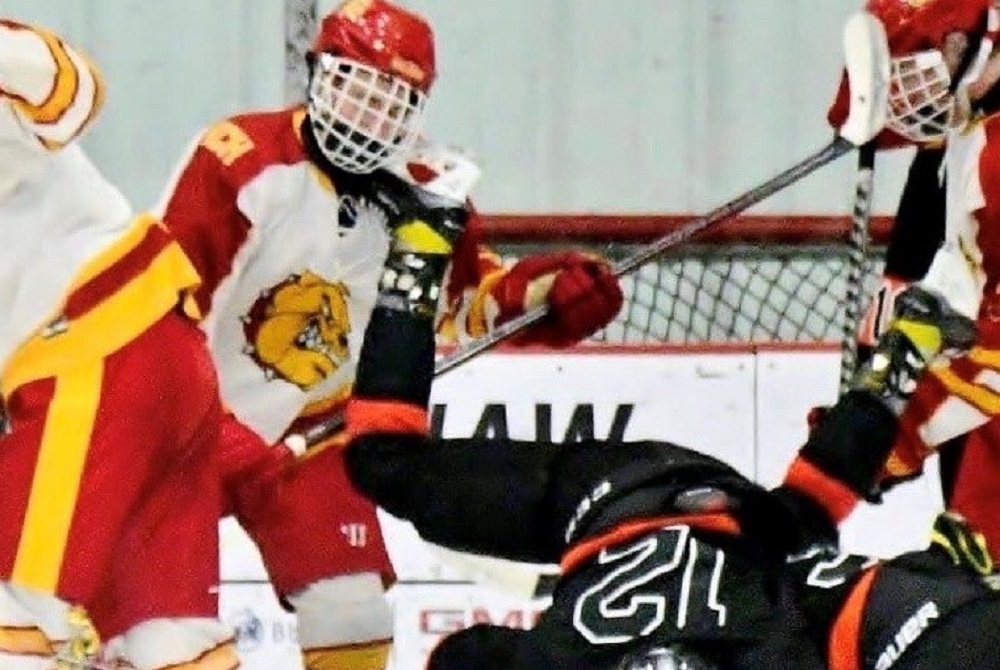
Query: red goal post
[755,279]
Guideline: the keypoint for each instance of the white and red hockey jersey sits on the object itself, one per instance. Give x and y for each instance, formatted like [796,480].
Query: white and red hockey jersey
[57,212]
[290,257]
[961,394]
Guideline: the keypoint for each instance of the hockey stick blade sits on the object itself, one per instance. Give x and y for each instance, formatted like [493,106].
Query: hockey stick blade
[866,58]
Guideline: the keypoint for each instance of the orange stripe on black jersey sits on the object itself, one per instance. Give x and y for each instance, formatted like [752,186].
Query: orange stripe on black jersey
[844,644]
[385,416]
[716,522]
[836,498]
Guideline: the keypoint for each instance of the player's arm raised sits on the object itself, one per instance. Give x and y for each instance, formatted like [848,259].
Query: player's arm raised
[52,90]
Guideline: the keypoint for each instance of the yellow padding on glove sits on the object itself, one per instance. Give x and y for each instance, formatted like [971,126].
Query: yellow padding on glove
[963,544]
[419,237]
[362,656]
[924,336]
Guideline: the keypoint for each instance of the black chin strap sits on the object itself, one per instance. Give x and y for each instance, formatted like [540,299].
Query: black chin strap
[319,159]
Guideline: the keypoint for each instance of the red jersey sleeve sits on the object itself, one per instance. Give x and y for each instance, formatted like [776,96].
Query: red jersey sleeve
[200,206]
[469,309]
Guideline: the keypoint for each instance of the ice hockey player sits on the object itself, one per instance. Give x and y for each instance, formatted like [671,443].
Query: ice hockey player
[110,497]
[958,399]
[671,558]
[969,463]
[288,217]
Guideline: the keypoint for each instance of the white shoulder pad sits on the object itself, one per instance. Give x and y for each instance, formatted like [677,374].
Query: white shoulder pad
[952,276]
[439,169]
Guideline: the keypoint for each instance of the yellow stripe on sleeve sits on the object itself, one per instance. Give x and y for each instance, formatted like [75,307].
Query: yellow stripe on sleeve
[97,97]
[980,397]
[988,358]
[64,86]
[477,322]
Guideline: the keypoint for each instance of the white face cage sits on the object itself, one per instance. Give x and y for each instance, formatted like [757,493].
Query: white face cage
[362,117]
[921,106]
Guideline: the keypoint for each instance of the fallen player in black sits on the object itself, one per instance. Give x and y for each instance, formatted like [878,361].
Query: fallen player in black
[662,548]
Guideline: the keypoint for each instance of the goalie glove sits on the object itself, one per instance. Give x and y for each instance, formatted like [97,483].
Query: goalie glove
[581,291]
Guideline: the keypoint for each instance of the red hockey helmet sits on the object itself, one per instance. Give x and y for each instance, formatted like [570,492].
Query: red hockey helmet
[936,45]
[382,35]
[373,66]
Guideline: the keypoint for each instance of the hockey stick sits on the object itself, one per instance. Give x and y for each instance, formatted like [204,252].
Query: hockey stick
[867,60]
[858,255]
[835,149]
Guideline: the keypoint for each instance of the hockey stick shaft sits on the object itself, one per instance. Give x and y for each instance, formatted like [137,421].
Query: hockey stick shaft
[855,292]
[835,149]
[838,147]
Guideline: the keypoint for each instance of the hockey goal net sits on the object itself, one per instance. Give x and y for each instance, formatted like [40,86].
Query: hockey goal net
[750,280]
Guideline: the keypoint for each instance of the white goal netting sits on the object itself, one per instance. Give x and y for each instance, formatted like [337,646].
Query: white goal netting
[750,280]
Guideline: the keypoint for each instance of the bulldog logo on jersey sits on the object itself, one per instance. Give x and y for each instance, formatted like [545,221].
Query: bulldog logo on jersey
[297,331]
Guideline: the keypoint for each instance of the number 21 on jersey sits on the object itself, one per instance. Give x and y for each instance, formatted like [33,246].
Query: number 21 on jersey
[638,594]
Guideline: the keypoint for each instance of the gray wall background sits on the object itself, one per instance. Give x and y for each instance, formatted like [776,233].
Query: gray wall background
[634,106]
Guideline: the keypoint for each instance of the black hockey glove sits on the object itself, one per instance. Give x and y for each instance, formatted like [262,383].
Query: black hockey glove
[843,459]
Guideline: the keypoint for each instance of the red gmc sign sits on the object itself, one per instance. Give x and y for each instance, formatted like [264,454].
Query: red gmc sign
[444,620]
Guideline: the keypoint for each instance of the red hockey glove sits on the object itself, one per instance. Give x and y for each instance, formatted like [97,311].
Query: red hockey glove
[581,291]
